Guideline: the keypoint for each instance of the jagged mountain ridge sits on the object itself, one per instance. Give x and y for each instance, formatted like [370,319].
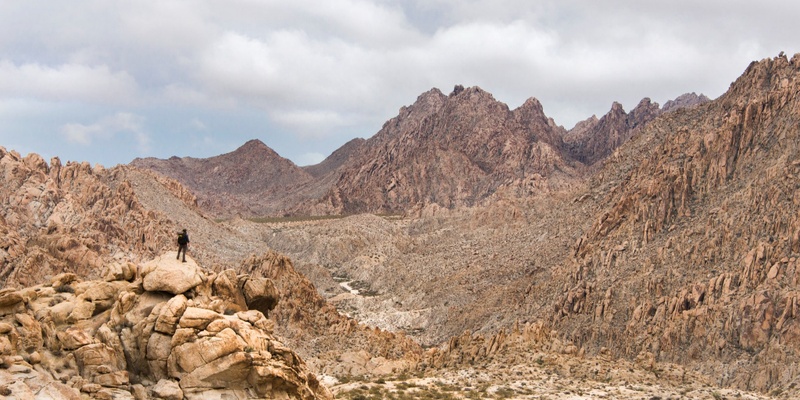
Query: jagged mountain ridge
[454,150]
[693,253]
[450,150]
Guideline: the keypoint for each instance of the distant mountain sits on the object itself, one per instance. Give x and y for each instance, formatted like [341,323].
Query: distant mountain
[450,150]
[251,180]
[593,139]
[685,101]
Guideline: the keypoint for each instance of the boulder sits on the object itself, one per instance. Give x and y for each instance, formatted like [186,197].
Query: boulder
[190,356]
[226,287]
[30,332]
[165,274]
[118,379]
[9,297]
[73,338]
[229,372]
[95,359]
[168,390]
[170,314]
[197,318]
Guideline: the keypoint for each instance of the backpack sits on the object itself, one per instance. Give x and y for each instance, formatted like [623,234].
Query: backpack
[182,239]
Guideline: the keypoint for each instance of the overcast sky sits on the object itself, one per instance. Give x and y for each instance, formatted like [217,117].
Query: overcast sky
[108,81]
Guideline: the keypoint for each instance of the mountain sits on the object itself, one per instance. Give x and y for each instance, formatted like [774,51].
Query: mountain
[692,253]
[680,247]
[451,150]
[252,180]
[593,140]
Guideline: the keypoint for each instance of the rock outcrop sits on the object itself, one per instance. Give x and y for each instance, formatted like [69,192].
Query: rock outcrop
[69,218]
[123,339]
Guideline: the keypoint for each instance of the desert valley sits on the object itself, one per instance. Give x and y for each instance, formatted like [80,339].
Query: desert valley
[466,250]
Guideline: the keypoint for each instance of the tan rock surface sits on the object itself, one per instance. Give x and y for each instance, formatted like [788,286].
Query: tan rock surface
[113,349]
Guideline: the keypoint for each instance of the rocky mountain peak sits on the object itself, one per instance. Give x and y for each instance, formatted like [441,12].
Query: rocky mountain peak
[644,112]
[685,100]
[768,74]
[254,145]
[593,140]
[532,105]
[449,150]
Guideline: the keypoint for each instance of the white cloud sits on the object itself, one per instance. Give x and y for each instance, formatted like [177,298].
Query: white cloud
[67,82]
[198,125]
[319,69]
[107,128]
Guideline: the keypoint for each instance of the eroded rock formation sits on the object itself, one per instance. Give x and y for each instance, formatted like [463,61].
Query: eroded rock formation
[121,337]
[69,218]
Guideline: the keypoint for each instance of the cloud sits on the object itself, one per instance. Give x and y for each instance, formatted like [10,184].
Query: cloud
[305,69]
[66,82]
[108,128]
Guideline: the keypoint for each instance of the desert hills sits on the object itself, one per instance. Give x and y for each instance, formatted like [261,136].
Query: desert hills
[665,238]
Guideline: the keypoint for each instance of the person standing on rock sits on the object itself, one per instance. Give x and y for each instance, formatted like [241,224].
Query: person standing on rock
[183,244]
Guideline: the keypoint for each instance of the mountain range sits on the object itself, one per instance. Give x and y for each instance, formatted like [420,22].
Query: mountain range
[655,248]
[452,150]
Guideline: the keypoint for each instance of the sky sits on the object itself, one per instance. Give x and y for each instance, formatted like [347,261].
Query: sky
[109,81]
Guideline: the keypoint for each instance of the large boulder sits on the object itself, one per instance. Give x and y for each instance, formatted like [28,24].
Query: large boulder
[226,286]
[167,274]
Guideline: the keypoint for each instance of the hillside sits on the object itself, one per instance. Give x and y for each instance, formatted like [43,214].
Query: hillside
[252,180]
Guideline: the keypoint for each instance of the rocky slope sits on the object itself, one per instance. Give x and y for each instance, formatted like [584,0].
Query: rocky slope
[681,248]
[70,218]
[692,255]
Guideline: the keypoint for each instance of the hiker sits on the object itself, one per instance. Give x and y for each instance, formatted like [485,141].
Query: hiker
[183,244]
